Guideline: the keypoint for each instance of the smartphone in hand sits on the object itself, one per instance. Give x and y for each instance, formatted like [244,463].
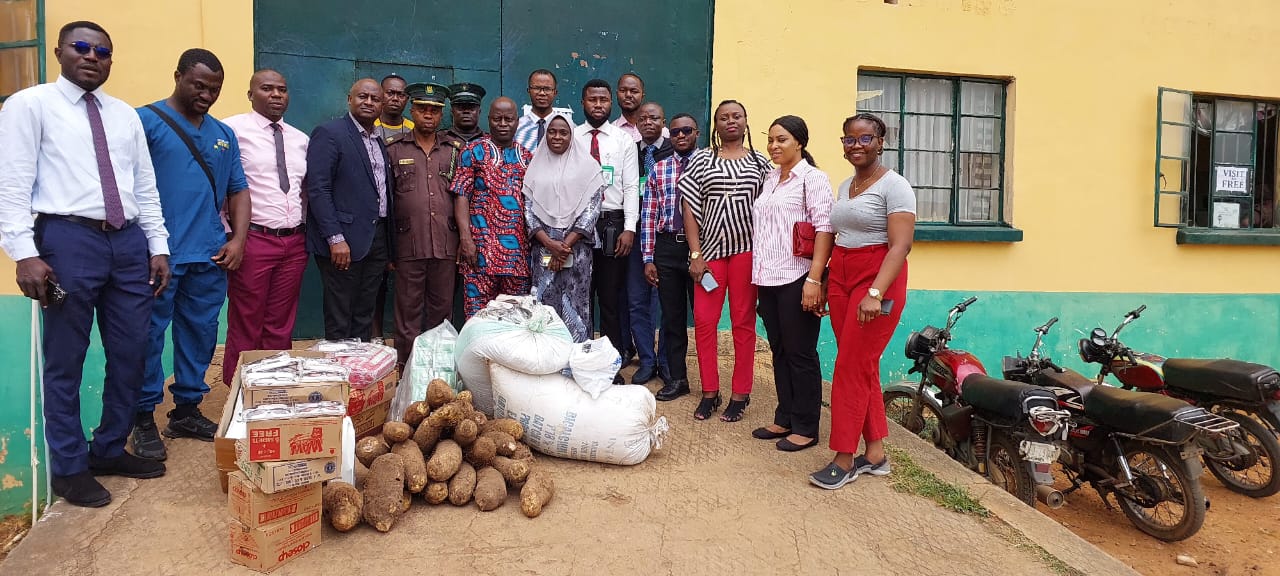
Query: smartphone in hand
[709,282]
[886,306]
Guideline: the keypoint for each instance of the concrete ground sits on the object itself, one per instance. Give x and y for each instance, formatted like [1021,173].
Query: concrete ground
[713,500]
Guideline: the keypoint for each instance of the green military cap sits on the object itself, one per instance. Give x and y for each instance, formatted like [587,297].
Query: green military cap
[466,93]
[427,93]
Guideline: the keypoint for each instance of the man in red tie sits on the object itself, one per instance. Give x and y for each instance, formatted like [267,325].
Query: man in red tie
[78,158]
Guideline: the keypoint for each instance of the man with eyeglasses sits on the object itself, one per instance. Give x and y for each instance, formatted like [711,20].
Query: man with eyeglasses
[542,97]
[77,157]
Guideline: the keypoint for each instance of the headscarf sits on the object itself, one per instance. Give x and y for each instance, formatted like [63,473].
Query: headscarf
[560,186]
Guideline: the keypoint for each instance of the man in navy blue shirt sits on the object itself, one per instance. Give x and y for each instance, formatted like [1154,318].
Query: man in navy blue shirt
[198,173]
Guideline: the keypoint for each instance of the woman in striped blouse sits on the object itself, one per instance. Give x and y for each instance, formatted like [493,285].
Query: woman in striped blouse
[790,286]
[719,186]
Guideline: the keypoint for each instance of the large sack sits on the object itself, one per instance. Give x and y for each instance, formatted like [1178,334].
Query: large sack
[430,358]
[593,365]
[560,419]
[513,331]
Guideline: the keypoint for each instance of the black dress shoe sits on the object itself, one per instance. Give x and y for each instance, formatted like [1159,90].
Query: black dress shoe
[81,490]
[786,445]
[126,465]
[618,380]
[763,433]
[146,439]
[188,422]
[644,375]
[673,390]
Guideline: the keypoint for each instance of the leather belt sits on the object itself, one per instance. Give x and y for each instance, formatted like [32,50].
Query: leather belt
[278,232]
[677,236]
[90,222]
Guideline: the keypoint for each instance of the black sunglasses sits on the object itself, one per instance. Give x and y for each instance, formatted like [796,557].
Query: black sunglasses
[82,48]
[682,131]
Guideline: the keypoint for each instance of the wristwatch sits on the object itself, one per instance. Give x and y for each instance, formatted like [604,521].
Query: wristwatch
[874,294]
[695,255]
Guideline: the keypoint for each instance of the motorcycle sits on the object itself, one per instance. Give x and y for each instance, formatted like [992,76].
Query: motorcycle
[1245,393]
[1143,449]
[1006,431]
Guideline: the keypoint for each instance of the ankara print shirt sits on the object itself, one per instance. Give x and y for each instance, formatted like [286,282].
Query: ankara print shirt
[491,178]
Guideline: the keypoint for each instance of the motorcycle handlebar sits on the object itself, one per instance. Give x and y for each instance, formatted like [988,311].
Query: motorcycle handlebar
[1137,312]
[1047,325]
[961,306]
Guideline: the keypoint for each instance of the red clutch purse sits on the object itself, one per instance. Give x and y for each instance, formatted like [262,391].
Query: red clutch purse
[803,234]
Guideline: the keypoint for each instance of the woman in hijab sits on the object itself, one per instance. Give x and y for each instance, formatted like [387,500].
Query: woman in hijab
[563,188]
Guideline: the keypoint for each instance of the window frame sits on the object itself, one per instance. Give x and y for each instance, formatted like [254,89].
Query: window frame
[38,43]
[957,117]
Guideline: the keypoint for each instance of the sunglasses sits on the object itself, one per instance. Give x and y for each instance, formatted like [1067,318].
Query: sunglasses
[865,140]
[682,131]
[82,48]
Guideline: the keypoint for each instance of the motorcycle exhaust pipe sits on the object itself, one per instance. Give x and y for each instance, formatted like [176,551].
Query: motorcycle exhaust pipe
[1050,497]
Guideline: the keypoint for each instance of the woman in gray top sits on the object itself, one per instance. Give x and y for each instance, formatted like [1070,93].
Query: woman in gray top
[874,222]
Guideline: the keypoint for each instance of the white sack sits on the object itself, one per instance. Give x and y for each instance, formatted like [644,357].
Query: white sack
[430,358]
[515,332]
[594,363]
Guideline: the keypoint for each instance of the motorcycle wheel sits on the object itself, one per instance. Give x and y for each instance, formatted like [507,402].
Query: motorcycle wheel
[1256,476]
[1166,499]
[898,407]
[1007,469]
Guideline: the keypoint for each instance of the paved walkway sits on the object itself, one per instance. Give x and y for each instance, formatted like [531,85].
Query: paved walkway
[712,501]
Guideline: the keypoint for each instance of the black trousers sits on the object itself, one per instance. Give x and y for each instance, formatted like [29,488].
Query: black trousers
[350,295]
[793,339]
[675,295]
[609,282]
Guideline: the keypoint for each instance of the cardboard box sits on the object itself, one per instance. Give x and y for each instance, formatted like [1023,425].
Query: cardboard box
[267,547]
[336,391]
[272,477]
[224,448]
[370,407]
[254,508]
[293,439]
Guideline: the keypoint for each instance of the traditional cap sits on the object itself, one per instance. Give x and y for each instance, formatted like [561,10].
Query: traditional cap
[466,93]
[427,93]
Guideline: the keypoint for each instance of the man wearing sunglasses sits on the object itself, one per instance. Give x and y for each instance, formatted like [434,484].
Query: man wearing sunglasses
[78,158]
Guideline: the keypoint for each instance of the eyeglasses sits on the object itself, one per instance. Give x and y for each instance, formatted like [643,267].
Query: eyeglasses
[82,48]
[682,131]
[865,140]
[542,89]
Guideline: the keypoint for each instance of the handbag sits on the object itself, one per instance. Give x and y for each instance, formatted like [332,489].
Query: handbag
[803,234]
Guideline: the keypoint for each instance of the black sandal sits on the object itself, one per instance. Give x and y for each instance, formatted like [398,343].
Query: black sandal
[733,412]
[706,407]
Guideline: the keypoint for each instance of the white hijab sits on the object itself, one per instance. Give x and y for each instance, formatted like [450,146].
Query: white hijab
[560,186]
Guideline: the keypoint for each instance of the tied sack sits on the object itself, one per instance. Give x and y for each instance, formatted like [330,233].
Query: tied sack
[430,358]
[593,364]
[513,331]
[560,419]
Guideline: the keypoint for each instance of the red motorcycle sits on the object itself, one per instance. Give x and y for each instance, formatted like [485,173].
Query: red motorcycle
[1006,431]
[1243,392]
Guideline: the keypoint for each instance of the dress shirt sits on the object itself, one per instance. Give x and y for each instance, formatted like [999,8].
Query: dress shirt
[617,152]
[634,131]
[805,196]
[371,141]
[527,131]
[272,207]
[50,167]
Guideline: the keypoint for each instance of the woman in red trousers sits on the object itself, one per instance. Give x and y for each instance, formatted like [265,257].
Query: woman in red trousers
[874,221]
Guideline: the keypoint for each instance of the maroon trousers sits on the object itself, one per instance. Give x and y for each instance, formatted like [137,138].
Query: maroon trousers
[857,404]
[263,296]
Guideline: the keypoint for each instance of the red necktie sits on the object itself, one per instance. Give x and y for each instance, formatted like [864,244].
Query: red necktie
[595,145]
[106,174]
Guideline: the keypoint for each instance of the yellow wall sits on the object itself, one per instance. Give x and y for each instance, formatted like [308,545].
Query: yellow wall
[148,37]
[1082,116]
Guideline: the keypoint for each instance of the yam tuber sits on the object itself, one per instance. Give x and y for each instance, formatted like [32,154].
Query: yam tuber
[507,425]
[537,492]
[438,393]
[370,448]
[502,442]
[406,500]
[463,485]
[395,432]
[481,452]
[342,505]
[444,461]
[464,400]
[427,435]
[383,491]
[436,492]
[447,416]
[514,472]
[416,413]
[415,466]
[491,489]
[362,472]
[523,453]
[479,418]
[466,432]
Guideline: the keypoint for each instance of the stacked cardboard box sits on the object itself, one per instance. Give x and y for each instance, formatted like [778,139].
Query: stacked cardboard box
[373,379]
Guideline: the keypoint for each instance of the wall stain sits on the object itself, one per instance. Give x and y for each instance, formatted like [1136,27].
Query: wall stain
[9,482]
[4,449]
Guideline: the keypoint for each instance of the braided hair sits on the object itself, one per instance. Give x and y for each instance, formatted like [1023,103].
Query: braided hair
[796,126]
[746,127]
[881,129]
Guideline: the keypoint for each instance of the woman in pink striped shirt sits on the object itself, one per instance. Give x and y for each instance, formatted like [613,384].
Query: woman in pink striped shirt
[789,286]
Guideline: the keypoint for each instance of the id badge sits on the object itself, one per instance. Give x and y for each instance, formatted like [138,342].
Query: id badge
[607,172]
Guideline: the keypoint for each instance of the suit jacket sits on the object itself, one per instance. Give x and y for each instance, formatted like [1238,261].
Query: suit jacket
[341,193]
[663,152]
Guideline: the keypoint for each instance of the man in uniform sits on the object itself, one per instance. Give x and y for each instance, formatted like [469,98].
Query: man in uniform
[426,234]
[465,99]
[390,123]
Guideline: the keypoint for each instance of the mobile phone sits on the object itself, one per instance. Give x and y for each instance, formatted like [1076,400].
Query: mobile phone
[886,306]
[709,282]
[54,293]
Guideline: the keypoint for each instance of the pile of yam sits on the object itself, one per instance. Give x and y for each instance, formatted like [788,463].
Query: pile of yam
[445,451]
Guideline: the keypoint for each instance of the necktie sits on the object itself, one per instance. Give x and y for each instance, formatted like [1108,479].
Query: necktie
[678,225]
[648,159]
[107,174]
[542,131]
[595,145]
[282,168]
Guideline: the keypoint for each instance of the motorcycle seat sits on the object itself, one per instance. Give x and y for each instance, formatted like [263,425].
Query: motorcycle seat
[1069,379]
[1004,399]
[1138,413]
[1228,378]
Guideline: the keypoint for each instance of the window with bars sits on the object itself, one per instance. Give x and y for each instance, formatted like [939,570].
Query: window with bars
[21,45]
[1215,161]
[946,136]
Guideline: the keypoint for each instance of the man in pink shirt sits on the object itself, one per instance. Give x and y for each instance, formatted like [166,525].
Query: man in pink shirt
[263,293]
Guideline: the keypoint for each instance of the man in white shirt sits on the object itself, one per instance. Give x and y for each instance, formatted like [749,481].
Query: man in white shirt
[78,158]
[542,97]
[620,210]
